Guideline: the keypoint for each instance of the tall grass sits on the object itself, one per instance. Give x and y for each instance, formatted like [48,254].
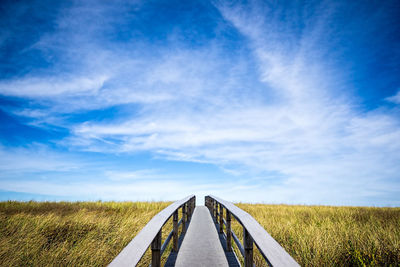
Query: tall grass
[73,234]
[93,233]
[331,236]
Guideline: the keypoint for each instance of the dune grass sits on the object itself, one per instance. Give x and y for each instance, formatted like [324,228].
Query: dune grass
[93,233]
[331,236]
[70,234]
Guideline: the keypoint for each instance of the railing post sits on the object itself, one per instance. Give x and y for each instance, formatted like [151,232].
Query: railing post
[221,218]
[228,231]
[189,210]
[216,211]
[184,218]
[212,207]
[248,248]
[155,251]
[175,228]
[194,203]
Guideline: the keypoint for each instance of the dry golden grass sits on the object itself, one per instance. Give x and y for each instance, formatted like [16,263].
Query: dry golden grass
[73,234]
[93,233]
[331,236]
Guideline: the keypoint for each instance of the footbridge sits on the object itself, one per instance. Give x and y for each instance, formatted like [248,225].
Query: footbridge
[203,236]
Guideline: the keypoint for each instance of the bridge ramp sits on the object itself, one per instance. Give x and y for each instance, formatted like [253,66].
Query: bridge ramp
[201,245]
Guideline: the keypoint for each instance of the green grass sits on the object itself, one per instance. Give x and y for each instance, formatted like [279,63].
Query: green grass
[93,233]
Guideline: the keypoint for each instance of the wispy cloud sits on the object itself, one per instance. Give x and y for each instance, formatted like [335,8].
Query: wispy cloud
[395,98]
[35,158]
[278,105]
[48,87]
[133,175]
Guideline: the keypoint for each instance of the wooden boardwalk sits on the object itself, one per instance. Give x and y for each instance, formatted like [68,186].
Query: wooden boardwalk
[205,239]
[201,245]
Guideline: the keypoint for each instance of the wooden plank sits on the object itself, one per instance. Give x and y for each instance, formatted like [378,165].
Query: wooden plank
[273,253]
[134,251]
[201,246]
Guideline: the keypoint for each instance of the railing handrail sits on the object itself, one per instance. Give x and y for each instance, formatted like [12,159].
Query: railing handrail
[135,250]
[272,252]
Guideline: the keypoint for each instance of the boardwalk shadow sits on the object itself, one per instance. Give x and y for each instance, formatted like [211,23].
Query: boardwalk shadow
[230,255]
[172,256]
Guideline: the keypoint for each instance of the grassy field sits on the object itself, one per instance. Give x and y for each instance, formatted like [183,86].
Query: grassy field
[70,234]
[331,236]
[93,233]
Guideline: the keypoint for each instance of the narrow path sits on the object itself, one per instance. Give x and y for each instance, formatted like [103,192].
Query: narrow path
[201,245]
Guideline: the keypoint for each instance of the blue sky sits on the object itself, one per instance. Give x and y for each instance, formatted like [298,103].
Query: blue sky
[254,101]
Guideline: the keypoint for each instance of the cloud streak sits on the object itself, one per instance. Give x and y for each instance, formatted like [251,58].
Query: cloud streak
[278,105]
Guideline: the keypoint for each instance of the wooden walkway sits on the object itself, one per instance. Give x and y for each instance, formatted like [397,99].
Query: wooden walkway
[201,245]
[205,239]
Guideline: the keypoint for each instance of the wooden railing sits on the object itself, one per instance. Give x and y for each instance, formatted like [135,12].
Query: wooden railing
[253,232]
[151,235]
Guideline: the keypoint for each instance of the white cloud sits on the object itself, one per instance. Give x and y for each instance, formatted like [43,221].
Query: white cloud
[314,139]
[165,189]
[291,123]
[31,113]
[50,87]
[133,175]
[395,98]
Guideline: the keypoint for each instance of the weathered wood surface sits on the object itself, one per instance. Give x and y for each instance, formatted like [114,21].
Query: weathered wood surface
[134,251]
[201,245]
[273,253]
[156,250]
